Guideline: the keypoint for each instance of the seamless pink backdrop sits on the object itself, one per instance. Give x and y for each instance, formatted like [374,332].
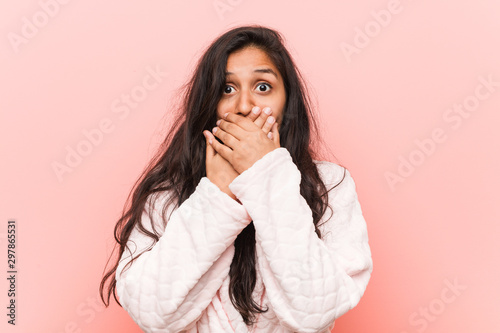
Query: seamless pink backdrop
[408,94]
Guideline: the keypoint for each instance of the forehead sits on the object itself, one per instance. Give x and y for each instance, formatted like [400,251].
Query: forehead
[247,59]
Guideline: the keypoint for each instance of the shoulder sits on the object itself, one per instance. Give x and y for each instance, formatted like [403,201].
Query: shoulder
[331,173]
[337,179]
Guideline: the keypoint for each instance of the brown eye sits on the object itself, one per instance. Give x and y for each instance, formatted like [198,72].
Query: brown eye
[227,89]
[262,87]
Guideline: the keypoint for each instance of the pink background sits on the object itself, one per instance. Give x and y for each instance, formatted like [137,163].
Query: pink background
[379,105]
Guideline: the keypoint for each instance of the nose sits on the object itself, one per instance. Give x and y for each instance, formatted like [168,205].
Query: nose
[244,103]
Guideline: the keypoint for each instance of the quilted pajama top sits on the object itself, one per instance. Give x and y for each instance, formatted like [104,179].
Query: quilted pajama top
[181,283]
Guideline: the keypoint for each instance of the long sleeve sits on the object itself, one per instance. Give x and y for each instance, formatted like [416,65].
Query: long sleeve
[167,288]
[309,281]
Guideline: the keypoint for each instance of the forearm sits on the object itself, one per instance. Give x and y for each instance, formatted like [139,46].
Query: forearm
[308,283]
[187,265]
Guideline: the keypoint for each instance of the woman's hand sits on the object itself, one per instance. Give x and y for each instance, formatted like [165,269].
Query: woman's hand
[259,118]
[219,170]
[244,141]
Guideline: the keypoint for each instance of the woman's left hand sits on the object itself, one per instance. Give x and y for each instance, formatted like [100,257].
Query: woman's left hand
[244,142]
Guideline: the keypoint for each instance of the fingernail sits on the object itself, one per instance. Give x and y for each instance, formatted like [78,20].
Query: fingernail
[267,110]
[270,120]
[214,130]
[207,137]
[218,122]
[225,115]
[256,110]
[270,135]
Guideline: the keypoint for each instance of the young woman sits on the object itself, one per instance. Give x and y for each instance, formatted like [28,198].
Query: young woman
[234,227]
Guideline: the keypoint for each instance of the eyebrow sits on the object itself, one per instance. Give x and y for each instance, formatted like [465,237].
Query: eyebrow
[260,70]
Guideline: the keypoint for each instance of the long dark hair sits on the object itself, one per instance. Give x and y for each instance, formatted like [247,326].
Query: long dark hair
[179,164]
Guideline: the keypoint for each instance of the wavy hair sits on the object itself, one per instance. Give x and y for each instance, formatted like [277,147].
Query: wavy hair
[179,164]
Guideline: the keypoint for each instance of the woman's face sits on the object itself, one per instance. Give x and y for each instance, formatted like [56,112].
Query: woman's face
[252,80]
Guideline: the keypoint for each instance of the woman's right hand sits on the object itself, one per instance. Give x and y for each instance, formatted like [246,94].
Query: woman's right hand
[219,170]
